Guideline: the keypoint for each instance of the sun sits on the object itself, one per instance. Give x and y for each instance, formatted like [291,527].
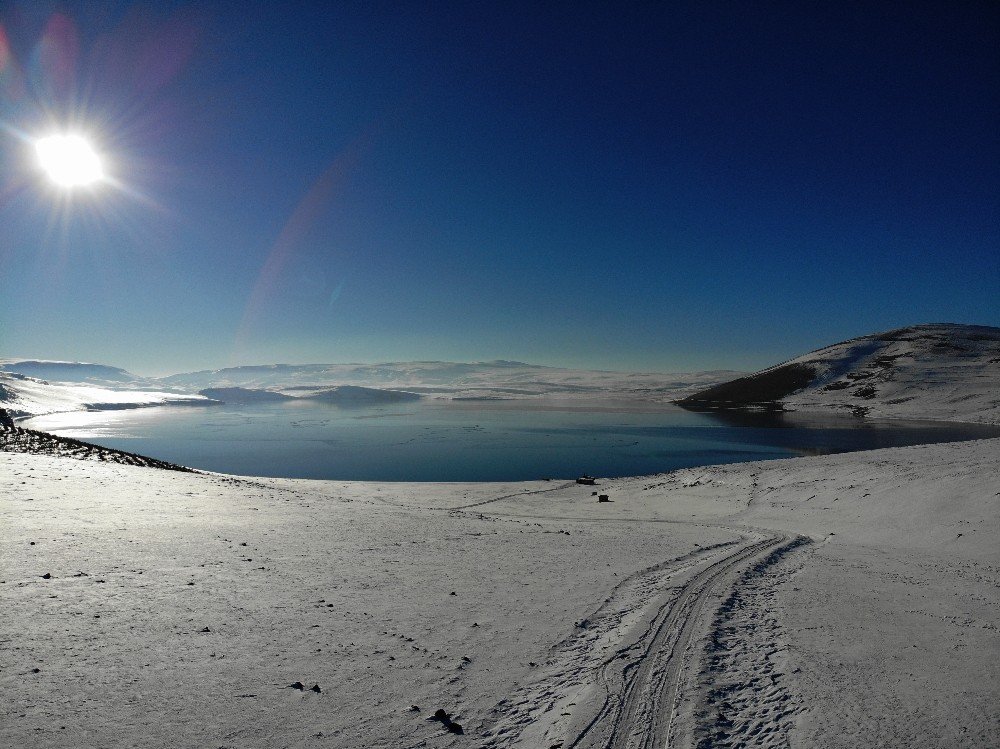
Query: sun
[69,160]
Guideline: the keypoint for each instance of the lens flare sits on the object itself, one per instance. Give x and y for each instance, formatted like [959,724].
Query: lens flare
[69,160]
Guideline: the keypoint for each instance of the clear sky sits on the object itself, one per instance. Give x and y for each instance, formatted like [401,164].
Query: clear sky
[638,186]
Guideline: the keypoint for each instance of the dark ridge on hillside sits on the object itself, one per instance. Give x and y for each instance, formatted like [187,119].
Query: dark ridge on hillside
[19,440]
[766,388]
[943,333]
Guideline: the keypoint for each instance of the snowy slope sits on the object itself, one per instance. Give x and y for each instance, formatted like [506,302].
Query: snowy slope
[27,396]
[938,371]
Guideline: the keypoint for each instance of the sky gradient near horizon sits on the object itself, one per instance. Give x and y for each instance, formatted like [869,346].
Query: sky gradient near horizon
[634,186]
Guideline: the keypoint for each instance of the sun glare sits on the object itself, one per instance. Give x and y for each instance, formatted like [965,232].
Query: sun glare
[69,160]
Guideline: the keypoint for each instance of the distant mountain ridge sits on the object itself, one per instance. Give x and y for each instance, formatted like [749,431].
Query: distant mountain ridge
[340,394]
[941,371]
[57,386]
[66,371]
[492,379]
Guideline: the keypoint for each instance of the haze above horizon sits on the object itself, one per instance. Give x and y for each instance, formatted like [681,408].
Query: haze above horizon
[661,187]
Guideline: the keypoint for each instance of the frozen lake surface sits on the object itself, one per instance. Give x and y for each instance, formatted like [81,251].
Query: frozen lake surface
[494,441]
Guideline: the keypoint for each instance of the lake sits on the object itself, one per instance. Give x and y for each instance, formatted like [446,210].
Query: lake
[478,441]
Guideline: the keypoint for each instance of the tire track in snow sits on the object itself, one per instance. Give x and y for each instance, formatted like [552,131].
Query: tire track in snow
[740,688]
[641,693]
[633,693]
[542,711]
[567,485]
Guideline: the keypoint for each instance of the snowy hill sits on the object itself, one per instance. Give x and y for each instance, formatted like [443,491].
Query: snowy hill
[937,371]
[66,371]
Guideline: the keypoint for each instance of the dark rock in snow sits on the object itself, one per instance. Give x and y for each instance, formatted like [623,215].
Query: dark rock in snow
[446,721]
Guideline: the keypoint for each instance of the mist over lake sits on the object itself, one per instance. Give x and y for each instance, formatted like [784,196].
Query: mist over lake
[481,441]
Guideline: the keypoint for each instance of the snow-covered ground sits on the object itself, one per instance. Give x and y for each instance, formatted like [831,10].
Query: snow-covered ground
[839,601]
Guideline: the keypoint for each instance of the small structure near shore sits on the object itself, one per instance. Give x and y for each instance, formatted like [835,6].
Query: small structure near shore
[603,498]
[588,480]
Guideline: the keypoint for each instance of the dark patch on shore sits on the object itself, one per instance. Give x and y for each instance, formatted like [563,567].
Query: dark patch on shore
[15,439]
[766,388]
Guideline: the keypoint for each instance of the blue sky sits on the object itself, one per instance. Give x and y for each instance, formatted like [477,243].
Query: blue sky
[647,186]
